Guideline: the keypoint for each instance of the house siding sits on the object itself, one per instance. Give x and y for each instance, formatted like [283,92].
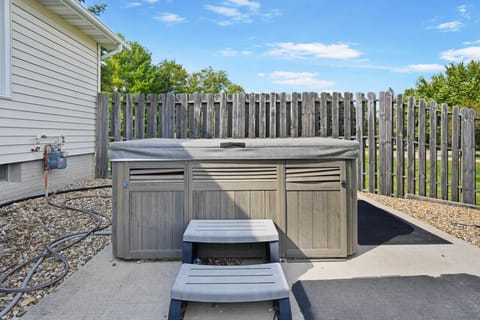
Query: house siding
[54,84]
[28,178]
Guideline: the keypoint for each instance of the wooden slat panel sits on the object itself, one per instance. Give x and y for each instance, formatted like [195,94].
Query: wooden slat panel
[116,112]
[152,116]
[411,146]
[140,116]
[101,147]
[372,152]
[262,116]
[252,111]
[433,149]
[400,155]
[294,107]
[335,115]
[284,131]
[181,116]
[444,152]
[455,152]
[347,115]
[272,132]
[468,155]
[422,159]
[128,117]
[388,143]
[323,114]
[382,145]
[359,131]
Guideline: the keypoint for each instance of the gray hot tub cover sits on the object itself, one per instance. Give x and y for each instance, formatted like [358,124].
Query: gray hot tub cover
[233,149]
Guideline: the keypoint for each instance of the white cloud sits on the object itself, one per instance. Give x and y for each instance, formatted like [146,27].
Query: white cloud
[298,80]
[233,15]
[168,17]
[252,5]
[421,67]
[239,11]
[472,42]
[290,50]
[228,52]
[132,4]
[151,1]
[465,54]
[451,26]
[462,9]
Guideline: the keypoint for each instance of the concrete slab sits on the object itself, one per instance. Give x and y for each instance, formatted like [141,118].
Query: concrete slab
[131,290]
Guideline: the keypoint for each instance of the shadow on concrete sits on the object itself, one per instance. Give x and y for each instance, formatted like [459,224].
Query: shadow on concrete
[377,226]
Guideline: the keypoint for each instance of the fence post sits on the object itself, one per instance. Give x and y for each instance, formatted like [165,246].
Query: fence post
[444,152]
[359,113]
[294,115]
[347,115]
[335,114]
[468,155]
[411,146]
[455,152]
[140,116]
[422,159]
[400,148]
[116,112]
[128,117]
[372,143]
[433,149]
[101,146]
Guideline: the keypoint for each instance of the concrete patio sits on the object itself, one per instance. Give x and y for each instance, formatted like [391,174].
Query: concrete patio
[107,288]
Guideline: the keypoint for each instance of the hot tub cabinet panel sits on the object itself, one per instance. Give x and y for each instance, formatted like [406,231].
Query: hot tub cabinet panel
[316,219]
[310,197]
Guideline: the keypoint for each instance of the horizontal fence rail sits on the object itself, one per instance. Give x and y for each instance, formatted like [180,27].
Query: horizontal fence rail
[407,146]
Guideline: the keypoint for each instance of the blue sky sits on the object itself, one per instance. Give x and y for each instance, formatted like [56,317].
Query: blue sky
[300,45]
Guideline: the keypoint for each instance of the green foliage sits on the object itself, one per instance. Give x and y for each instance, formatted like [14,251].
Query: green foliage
[133,72]
[96,9]
[170,77]
[129,71]
[458,85]
[209,81]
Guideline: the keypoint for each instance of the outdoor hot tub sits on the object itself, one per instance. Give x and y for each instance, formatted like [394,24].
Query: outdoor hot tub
[305,185]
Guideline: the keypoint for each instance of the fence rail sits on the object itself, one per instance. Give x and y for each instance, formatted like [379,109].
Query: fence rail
[419,148]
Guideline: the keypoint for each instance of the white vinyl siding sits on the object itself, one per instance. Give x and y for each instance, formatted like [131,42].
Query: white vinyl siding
[54,73]
[5,48]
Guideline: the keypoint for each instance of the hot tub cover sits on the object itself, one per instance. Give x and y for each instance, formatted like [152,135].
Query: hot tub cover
[233,149]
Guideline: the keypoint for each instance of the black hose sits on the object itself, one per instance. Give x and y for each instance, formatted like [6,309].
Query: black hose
[54,248]
[4,204]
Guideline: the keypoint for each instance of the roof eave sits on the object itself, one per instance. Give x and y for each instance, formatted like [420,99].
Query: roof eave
[77,15]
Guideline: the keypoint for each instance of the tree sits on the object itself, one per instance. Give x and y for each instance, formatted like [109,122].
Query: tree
[96,9]
[170,77]
[133,72]
[458,85]
[129,71]
[209,81]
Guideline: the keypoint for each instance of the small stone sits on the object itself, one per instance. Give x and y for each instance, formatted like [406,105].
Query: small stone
[114,264]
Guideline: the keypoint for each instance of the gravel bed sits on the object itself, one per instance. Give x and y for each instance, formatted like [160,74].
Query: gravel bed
[27,227]
[460,222]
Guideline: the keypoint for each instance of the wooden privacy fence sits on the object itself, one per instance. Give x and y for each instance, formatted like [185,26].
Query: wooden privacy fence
[407,146]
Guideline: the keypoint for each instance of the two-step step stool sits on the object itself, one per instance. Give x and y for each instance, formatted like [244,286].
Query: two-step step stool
[225,284]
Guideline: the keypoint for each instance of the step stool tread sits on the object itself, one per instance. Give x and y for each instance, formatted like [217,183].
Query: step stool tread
[242,283]
[231,231]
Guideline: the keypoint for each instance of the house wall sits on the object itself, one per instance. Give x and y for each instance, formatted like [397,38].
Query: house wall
[53,92]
